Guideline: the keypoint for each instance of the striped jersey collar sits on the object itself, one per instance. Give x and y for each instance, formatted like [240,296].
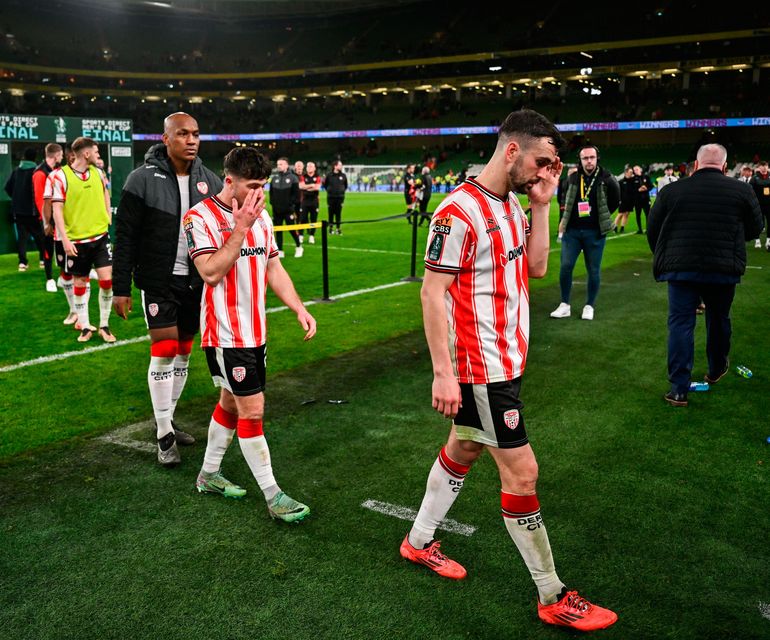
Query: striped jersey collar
[486,191]
[221,204]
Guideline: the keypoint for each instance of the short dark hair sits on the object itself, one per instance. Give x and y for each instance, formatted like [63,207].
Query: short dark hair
[588,146]
[247,163]
[30,153]
[526,123]
[284,158]
[51,149]
[78,144]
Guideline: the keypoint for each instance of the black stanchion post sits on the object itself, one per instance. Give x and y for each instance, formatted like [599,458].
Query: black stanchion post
[325,258]
[413,270]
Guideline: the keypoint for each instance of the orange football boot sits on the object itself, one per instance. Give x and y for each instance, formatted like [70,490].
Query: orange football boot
[432,558]
[576,612]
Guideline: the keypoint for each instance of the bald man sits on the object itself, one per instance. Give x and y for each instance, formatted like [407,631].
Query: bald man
[151,248]
[697,230]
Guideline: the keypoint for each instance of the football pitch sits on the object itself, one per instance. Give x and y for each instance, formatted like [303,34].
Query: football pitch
[658,513]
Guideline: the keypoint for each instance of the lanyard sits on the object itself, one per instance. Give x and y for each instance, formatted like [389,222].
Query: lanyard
[583,193]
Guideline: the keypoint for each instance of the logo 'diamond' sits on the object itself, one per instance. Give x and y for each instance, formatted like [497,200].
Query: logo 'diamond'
[153,309]
[203,187]
[511,418]
[239,373]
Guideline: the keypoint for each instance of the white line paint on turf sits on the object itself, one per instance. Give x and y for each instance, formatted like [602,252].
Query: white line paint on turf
[752,266]
[124,437]
[405,513]
[70,354]
[121,343]
[764,610]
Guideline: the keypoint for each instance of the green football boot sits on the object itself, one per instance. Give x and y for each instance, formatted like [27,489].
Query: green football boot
[217,483]
[282,507]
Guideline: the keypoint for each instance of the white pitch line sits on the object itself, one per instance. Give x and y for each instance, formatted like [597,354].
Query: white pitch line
[71,354]
[395,253]
[405,513]
[751,266]
[122,437]
[120,343]
[764,610]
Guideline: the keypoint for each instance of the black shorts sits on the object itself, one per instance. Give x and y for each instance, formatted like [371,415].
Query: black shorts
[180,307]
[58,251]
[491,414]
[91,255]
[240,371]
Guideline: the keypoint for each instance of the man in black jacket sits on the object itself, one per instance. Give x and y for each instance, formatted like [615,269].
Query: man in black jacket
[760,182]
[642,204]
[19,189]
[284,194]
[336,184]
[697,230]
[150,245]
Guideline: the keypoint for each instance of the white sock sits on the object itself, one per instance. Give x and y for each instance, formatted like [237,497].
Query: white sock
[105,306]
[181,366]
[257,455]
[160,379]
[67,286]
[220,436]
[521,515]
[80,303]
[445,480]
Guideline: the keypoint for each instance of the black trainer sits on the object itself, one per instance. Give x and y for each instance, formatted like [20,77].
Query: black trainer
[714,379]
[676,399]
[185,439]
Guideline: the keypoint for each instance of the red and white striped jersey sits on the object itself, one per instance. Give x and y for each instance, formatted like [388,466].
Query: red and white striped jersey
[232,312]
[480,237]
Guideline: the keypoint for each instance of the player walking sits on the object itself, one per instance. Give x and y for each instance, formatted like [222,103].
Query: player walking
[475,300]
[230,239]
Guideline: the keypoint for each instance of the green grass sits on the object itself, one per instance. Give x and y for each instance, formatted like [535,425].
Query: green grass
[657,512]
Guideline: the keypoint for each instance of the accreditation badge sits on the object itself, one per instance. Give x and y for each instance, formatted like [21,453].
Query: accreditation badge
[584,209]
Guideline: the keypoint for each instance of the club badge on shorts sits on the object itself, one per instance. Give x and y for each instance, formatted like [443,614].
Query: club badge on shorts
[511,418]
[152,309]
[239,374]
[203,187]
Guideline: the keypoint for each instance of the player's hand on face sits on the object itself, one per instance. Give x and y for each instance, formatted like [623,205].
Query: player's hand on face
[246,215]
[307,322]
[447,398]
[543,191]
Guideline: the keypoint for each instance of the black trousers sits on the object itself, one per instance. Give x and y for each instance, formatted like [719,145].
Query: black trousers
[27,226]
[683,300]
[641,206]
[335,211]
[281,218]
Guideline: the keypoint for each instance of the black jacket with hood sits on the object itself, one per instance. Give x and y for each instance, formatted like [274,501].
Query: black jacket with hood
[148,221]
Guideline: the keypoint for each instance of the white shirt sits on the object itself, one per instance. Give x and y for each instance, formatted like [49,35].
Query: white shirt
[181,267]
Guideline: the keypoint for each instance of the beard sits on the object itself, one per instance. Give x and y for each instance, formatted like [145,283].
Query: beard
[517,180]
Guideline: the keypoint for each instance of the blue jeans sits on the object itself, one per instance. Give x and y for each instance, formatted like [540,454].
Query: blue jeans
[683,298]
[591,243]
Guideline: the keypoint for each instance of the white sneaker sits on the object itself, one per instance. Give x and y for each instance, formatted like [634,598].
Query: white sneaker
[50,286]
[311,239]
[588,312]
[22,266]
[562,311]
[757,244]
[298,252]
[281,254]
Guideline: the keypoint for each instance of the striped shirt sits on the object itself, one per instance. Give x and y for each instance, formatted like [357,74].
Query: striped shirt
[233,311]
[480,237]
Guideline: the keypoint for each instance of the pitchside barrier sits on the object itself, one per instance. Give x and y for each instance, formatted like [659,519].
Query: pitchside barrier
[324,226]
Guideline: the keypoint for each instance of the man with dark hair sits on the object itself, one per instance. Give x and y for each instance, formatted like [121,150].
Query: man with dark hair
[151,247]
[592,195]
[52,161]
[760,182]
[336,184]
[423,194]
[698,231]
[230,238]
[475,301]
[19,189]
[410,191]
[83,213]
[310,185]
[284,193]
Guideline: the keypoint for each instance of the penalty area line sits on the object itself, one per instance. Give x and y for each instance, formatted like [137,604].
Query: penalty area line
[405,513]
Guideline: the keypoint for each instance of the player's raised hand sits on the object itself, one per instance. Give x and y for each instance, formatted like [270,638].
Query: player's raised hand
[543,191]
[246,215]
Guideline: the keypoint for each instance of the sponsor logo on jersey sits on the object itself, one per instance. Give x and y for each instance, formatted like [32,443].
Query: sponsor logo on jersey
[511,418]
[239,374]
[443,225]
[158,175]
[436,245]
[492,225]
[505,258]
[152,309]
[252,251]
[202,187]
